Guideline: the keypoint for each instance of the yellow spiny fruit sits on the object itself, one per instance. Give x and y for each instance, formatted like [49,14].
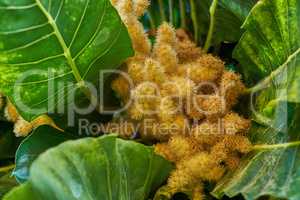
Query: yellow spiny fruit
[167,109]
[10,112]
[231,88]
[135,112]
[154,71]
[165,35]
[237,143]
[213,106]
[167,129]
[141,43]
[167,57]
[179,87]
[125,8]
[164,48]
[232,161]
[140,6]
[177,148]
[136,72]
[145,98]
[207,128]
[206,70]
[198,192]
[235,124]
[192,109]
[190,171]
[22,128]
[114,2]
[121,86]
[187,51]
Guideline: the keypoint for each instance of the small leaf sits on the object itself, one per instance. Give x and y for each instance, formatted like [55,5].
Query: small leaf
[51,50]
[39,141]
[94,168]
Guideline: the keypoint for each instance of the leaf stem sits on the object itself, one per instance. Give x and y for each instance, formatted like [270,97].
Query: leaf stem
[275,146]
[151,21]
[7,168]
[212,11]
[162,11]
[171,12]
[182,14]
[194,20]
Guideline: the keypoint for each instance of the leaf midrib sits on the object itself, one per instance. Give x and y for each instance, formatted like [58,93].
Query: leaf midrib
[67,52]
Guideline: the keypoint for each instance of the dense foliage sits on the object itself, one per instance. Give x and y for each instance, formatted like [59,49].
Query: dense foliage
[69,43]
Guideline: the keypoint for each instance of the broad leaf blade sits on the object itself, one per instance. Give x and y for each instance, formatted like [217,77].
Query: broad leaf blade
[274,172]
[63,42]
[102,168]
[268,50]
[40,140]
[272,41]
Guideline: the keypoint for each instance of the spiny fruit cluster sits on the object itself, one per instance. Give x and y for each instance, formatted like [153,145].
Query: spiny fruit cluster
[174,83]
[22,127]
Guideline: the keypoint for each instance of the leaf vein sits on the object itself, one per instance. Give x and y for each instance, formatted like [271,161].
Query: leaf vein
[29,44]
[80,22]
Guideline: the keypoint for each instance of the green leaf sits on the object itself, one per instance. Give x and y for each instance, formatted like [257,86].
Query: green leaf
[63,42]
[270,46]
[40,140]
[8,141]
[275,172]
[94,168]
[230,15]
[269,50]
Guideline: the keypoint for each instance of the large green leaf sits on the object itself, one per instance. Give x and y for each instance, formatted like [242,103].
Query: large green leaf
[270,46]
[61,41]
[101,168]
[273,172]
[269,50]
[40,140]
[229,18]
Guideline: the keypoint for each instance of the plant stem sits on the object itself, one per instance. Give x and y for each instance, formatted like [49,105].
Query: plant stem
[151,21]
[275,146]
[212,11]
[182,14]
[162,11]
[194,19]
[7,168]
[171,12]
